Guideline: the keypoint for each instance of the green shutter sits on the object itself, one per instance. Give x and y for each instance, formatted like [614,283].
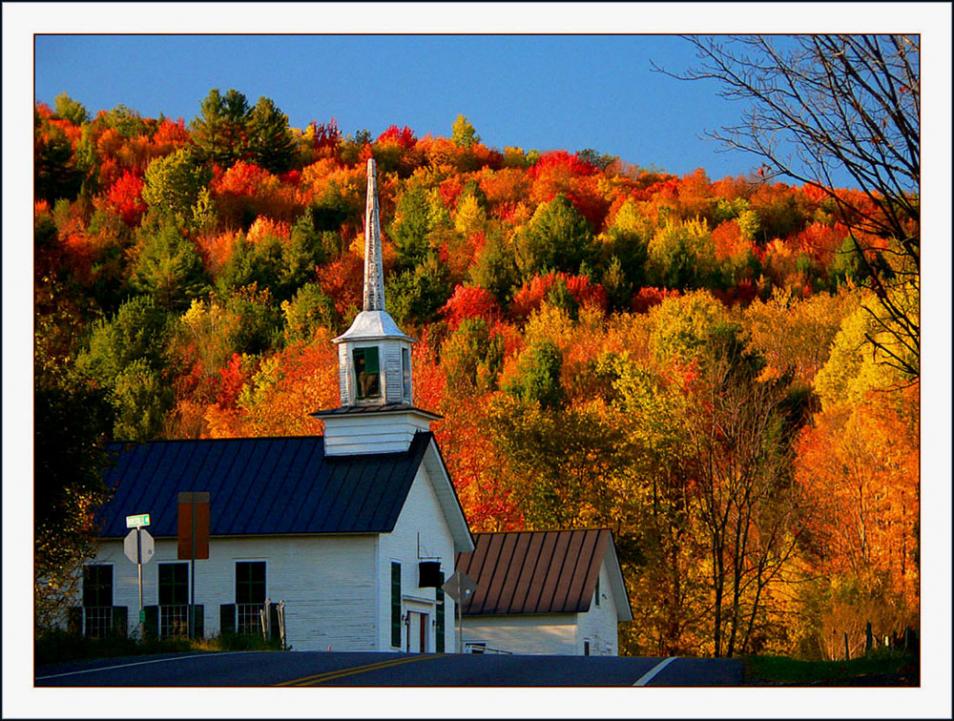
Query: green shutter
[227,618]
[199,611]
[120,621]
[395,604]
[151,624]
[372,365]
[440,616]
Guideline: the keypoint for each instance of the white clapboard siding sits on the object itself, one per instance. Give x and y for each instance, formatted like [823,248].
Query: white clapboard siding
[532,634]
[327,583]
[420,529]
[372,433]
[599,623]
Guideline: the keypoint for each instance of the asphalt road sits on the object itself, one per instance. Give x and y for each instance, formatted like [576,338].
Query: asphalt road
[250,668]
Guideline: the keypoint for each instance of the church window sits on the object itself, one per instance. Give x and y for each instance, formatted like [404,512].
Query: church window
[249,595]
[97,599]
[367,371]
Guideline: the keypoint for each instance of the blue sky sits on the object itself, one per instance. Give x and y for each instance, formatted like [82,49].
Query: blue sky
[532,91]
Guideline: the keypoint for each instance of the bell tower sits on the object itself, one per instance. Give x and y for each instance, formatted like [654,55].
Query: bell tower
[375,378]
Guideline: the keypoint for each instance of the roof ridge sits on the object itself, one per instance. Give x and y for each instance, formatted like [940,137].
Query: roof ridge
[546,530]
[125,442]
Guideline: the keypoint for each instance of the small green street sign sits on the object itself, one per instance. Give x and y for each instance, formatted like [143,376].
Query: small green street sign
[142,616]
[139,521]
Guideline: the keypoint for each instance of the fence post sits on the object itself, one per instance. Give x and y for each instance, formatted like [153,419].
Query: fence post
[847,651]
[266,617]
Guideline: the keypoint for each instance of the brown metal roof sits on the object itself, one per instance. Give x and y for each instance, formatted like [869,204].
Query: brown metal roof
[534,571]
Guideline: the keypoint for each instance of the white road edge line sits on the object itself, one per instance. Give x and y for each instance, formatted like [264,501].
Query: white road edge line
[651,673]
[138,663]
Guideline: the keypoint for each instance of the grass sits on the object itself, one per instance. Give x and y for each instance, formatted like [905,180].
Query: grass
[876,670]
[57,646]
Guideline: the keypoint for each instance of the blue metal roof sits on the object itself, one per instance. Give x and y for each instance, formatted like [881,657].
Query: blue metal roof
[260,486]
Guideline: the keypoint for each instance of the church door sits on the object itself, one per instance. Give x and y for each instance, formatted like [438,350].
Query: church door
[417,635]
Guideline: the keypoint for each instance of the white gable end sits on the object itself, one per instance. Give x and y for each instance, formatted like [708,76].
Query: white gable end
[597,627]
[420,533]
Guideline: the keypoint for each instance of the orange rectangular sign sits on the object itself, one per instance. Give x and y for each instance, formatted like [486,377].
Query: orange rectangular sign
[198,526]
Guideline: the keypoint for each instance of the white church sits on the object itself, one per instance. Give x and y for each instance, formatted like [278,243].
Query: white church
[352,533]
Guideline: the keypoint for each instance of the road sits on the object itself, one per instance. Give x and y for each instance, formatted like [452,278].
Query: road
[250,668]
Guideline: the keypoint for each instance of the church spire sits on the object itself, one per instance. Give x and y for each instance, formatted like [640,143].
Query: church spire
[373,262]
[375,379]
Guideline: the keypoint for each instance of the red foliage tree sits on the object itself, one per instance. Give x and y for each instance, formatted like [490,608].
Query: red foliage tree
[342,281]
[241,179]
[646,298]
[402,137]
[533,292]
[821,242]
[125,198]
[470,301]
[171,135]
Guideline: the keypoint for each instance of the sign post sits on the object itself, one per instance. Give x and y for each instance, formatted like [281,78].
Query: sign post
[139,548]
[461,588]
[193,527]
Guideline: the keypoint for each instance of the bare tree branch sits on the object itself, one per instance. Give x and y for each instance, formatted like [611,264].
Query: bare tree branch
[822,106]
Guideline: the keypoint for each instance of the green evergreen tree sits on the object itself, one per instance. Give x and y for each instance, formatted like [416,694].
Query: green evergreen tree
[416,295]
[270,142]
[259,328]
[219,131]
[538,377]
[138,331]
[557,238]
[168,267]
[140,400]
[306,249]
[55,174]
[411,226]
[495,269]
[260,263]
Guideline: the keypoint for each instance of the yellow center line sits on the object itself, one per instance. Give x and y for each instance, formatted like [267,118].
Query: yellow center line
[352,671]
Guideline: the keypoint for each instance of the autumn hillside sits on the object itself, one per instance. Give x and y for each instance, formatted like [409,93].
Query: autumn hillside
[687,361]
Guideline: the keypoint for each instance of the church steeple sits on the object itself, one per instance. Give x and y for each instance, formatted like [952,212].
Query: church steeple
[373,260]
[377,413]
